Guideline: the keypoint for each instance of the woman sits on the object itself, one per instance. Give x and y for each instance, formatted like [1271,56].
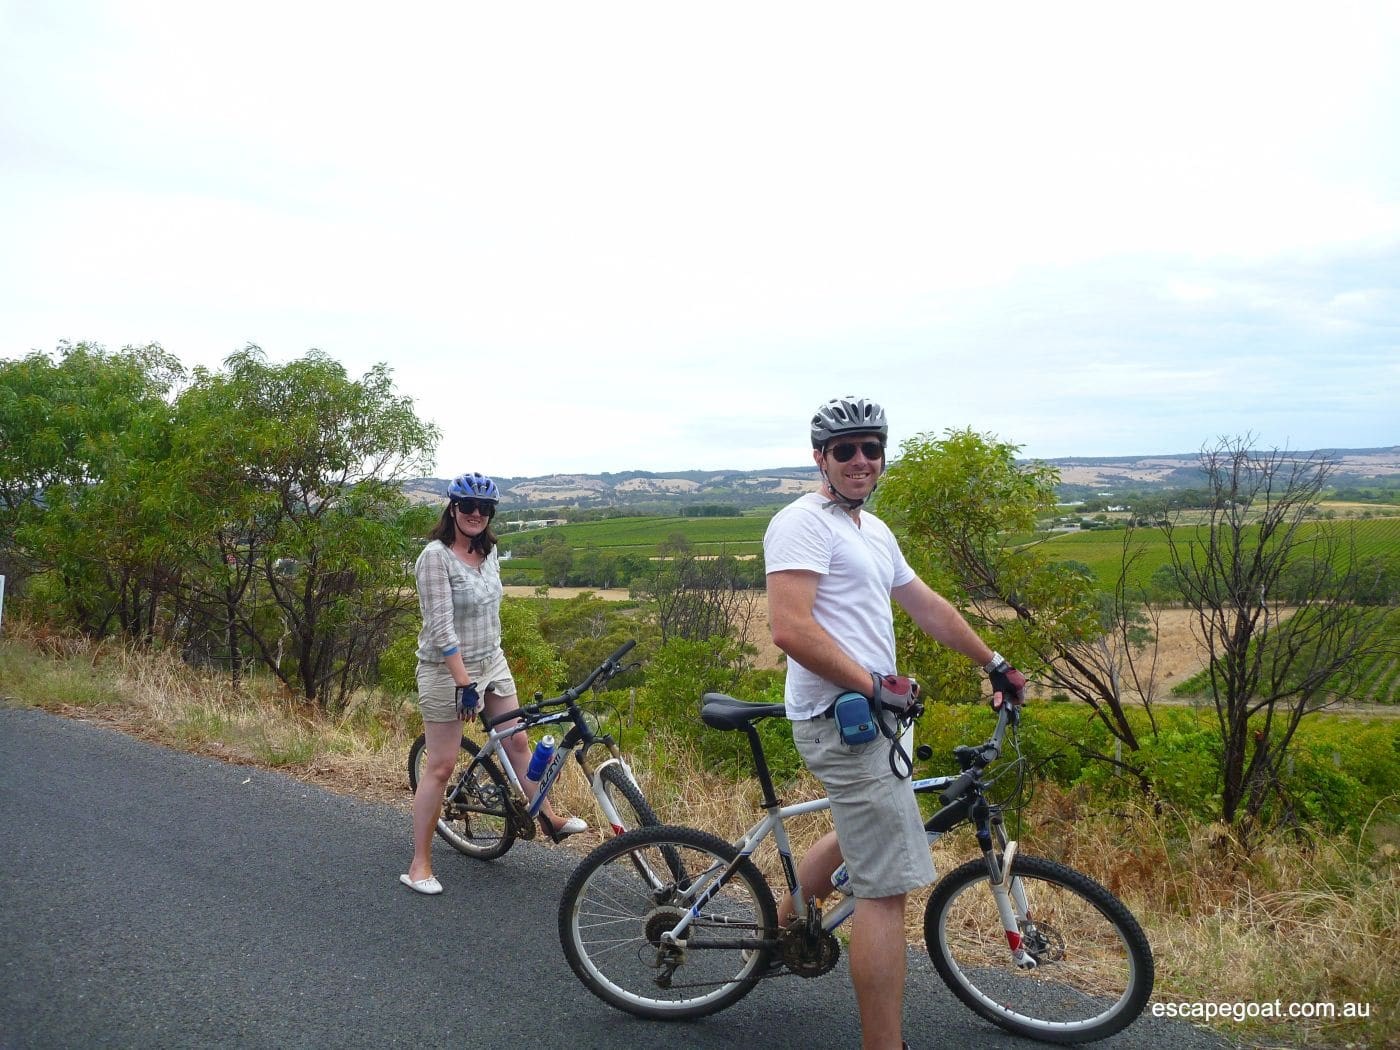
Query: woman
[460,658]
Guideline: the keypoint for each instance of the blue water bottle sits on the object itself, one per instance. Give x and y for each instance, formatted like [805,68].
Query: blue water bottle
[539,761]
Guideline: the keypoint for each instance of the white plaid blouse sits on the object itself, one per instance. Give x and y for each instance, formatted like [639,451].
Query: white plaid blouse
[461,606]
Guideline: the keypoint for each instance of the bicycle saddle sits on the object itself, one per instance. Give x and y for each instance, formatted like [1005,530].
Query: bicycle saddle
[719,711]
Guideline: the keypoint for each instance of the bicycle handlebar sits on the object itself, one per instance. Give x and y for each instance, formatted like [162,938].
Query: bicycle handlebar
[605,670]
[985,755]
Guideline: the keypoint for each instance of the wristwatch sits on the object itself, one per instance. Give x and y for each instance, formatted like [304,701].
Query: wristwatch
[996,663]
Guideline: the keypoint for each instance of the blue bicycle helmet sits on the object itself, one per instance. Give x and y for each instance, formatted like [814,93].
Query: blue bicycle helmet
[474,486]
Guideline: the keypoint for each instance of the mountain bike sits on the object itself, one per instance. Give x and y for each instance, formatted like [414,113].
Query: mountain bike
[485,809]
[675,922]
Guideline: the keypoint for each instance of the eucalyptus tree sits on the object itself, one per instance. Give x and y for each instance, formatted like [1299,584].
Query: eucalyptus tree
[295,471]
[77,431]
[967,509]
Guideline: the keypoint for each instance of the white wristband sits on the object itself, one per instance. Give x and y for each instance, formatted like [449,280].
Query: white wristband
[996,663]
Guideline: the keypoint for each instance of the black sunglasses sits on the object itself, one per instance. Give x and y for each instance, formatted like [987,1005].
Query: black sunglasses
[475,506]
[846,450]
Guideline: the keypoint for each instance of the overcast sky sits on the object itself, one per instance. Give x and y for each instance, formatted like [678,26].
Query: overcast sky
[602,236]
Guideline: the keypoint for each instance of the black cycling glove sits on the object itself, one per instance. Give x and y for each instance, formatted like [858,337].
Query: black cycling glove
[1007,682]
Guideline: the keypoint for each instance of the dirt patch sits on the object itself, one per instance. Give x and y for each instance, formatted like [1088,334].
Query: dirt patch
[611,594]
[1179,654]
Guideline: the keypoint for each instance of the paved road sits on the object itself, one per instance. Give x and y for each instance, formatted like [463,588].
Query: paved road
[156,899]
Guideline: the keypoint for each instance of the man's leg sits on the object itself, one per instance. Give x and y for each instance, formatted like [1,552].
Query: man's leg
[814,871]
[878,965]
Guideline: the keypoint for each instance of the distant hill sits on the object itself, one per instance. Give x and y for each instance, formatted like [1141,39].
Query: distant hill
[744,488]
[1079,475]
[753,488]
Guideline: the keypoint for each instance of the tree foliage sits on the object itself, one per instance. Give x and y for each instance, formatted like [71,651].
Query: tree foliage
[1273,605]
[255,513]
[955,499]
[80,429]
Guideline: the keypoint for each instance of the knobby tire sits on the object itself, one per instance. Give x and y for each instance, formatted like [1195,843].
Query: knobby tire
[1096,970]
[632,887]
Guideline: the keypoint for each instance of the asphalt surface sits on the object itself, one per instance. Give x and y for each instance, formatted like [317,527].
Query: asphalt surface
[150,898]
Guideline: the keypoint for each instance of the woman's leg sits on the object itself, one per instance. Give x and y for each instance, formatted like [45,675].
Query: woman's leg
[444,741]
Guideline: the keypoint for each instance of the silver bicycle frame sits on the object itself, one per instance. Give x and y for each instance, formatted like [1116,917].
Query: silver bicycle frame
[494,748]
[773,823]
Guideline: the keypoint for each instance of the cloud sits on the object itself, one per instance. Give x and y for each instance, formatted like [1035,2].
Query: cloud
[640,236]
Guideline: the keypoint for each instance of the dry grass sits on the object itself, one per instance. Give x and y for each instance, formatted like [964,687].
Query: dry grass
[1288,921]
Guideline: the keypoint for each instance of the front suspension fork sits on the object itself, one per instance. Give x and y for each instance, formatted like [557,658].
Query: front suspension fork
[1008,891]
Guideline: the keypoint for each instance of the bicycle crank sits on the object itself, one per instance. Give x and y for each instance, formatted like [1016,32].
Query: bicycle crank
[520,819]
[807,953]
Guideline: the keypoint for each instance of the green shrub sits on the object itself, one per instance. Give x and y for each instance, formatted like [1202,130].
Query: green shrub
[398,665]
[533,662]
[681,672]
[1338,774]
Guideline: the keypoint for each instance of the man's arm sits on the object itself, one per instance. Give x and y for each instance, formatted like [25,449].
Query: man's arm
[937,618]
[791,594]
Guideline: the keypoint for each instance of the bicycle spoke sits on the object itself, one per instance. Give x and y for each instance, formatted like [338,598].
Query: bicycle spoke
[613,917]
[1086,970]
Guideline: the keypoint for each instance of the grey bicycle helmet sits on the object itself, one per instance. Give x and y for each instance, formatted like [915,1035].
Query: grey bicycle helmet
[848,415]
[473,486]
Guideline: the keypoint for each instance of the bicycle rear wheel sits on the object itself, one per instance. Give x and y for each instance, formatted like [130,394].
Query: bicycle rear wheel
[477,822]
[1092,971]
[631,889]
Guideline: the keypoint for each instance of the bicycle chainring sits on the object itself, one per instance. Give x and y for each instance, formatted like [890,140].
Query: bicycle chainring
[807,954]
[520,819]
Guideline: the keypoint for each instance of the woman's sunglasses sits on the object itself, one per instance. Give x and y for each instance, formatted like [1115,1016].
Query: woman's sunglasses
[475,506]
[846,450]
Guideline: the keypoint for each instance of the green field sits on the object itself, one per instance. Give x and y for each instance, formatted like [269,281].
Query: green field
[1102,549]
[738,536]
[1374,677]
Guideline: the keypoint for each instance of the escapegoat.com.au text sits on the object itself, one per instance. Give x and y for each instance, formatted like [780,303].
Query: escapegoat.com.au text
[1276,1010]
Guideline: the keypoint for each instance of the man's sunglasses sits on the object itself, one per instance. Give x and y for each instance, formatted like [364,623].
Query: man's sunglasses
[846,450]
[475,506]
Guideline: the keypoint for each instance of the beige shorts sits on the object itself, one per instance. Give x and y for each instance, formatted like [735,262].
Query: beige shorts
[877,816]
[437,692]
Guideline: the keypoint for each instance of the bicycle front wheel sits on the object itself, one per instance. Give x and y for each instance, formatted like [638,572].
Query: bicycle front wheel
[477,820]
[632,889]
[633,810]
[1086,971]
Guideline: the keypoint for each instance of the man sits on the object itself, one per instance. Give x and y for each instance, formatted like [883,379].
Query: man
[832,570]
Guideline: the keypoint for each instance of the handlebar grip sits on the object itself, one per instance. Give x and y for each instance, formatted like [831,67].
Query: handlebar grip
[622,650]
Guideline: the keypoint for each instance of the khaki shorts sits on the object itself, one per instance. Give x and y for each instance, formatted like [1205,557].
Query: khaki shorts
[877,816]
[437,692]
